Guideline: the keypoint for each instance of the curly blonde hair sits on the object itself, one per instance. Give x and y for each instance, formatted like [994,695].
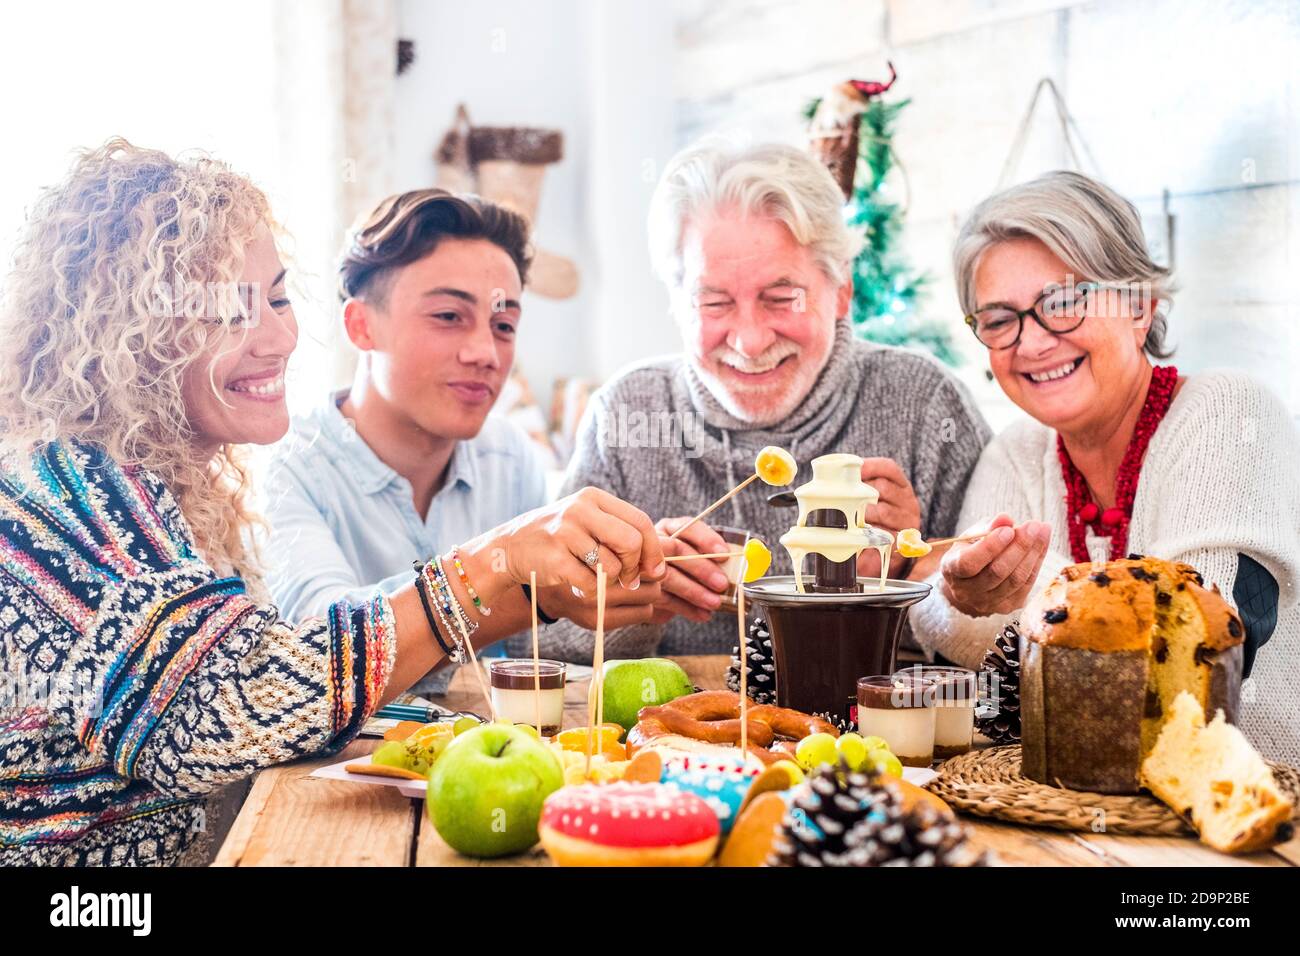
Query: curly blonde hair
[85,354]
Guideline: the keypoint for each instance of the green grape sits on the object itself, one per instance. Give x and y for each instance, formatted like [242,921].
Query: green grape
[391,753]
[437,745]
[420,757]
[885,762]
[853,749]
[463,724]
[530,730]
[876,743]
[815,750]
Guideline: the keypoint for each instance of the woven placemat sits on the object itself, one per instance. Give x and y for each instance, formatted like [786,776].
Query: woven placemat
[988,783]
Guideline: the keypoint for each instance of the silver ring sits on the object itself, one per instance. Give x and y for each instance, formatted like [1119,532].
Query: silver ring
[592,556]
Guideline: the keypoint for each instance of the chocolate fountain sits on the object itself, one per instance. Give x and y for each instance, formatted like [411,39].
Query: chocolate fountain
[828,633]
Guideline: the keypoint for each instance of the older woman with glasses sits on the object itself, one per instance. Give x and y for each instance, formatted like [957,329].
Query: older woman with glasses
[1120,455]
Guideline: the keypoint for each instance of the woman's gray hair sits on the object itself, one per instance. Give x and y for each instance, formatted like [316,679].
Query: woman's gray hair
[771,180]
[1094,230]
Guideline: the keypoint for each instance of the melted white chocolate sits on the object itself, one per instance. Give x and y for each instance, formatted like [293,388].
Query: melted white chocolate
[836,485]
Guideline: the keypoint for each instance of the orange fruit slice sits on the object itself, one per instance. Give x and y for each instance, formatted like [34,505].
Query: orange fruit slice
[429,731]
[775,466]
[607,742]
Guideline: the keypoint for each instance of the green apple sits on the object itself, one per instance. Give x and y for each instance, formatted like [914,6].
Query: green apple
[633,684]
[486,790]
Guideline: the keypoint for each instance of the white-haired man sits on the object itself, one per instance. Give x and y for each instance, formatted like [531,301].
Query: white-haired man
[752,245]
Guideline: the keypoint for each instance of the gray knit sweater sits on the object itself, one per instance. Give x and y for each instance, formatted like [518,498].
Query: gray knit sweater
[657,438]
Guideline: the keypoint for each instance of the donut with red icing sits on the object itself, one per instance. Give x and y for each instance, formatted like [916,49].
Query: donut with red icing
[628,824]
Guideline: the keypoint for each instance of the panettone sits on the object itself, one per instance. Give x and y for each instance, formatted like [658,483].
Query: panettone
[1212,776]
[1105,650]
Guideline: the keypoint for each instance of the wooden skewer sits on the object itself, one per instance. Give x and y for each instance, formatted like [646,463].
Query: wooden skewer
[941,542]
[478,673]
[595,693]
[744,665]
[537,666]
[713,507]
[601,589]
[696,557]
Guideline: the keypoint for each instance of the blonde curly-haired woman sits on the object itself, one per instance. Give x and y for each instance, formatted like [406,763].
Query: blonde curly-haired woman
[144,333]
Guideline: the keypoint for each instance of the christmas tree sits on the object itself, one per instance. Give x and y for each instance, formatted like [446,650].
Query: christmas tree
[885,286]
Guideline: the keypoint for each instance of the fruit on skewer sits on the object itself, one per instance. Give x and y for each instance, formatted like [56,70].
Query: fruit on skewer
[910,544]
[775,466]
[757,558]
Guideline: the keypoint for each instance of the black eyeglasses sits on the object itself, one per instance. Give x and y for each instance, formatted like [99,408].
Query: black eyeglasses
[1058,310]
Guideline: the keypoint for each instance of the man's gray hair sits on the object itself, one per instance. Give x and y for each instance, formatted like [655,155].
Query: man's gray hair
[771,180]
[1094,230]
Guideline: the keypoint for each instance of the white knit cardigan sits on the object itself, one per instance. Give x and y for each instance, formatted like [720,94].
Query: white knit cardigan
[1221,476]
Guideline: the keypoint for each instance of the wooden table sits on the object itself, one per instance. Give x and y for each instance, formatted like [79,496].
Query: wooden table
[292,819]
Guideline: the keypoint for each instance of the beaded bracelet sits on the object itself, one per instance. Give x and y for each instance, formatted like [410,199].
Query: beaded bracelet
[421,590]
[452,608]
[458,656]
[451,604]
[464,579]
[445,606]
[446,603]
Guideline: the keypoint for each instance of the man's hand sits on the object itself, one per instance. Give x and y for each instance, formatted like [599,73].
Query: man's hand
[622,607]
[896,510]
[692,589]
[995,574]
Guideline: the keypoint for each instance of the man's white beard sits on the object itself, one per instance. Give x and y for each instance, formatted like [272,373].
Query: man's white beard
[731,402]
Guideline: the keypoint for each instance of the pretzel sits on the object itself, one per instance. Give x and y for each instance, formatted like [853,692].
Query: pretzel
[713,716]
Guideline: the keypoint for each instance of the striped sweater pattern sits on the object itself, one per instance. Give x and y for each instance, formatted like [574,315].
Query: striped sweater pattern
[135,680]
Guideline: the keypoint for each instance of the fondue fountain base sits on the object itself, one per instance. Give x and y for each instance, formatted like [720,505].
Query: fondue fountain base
[840,627]
[822,642]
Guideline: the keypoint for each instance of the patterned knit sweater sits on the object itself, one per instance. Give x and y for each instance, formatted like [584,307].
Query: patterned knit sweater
[135,680]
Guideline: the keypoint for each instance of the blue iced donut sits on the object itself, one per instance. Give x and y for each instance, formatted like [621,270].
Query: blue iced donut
[719,781]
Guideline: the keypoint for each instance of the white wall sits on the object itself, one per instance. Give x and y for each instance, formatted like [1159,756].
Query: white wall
[598,72]
[1196,97]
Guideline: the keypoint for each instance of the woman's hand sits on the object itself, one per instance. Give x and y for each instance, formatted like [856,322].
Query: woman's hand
[692,589]
[994,574]
[555,540]
[896,510]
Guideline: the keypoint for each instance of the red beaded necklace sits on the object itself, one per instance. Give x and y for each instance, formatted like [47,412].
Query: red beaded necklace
[1081,511]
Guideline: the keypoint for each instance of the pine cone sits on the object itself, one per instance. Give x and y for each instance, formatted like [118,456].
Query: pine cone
[824,812]
[998,717]
[761,679]
[856,819]
[923,837]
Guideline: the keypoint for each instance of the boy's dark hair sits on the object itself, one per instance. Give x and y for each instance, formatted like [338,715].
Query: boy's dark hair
[408,226]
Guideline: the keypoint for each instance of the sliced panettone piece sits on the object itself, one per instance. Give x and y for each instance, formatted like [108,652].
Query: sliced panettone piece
[1212,776]
[1105,650]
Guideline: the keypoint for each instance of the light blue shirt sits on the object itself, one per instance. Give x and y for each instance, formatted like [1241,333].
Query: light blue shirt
[344,524]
